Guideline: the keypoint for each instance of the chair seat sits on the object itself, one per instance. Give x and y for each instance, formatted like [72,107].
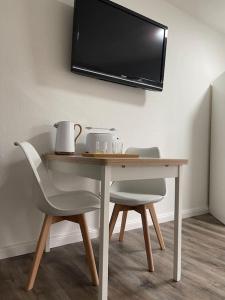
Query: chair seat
[74,203]
[132,199]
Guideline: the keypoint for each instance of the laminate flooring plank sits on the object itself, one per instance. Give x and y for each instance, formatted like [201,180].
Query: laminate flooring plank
[64,275]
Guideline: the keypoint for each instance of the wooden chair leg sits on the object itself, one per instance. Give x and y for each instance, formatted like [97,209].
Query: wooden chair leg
[123,225]
[89,250]
[157,227]
[148,248]
[39,251]
[113,219]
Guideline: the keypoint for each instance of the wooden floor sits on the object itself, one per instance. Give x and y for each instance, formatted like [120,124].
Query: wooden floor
[64,275]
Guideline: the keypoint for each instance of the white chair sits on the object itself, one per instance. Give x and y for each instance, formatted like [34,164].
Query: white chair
[139,195]
[59,206]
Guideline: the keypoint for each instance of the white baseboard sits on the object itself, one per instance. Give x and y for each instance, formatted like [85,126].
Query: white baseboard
[163,218]
[75,236]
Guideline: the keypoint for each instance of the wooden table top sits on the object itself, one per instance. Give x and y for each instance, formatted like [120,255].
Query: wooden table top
[140,161]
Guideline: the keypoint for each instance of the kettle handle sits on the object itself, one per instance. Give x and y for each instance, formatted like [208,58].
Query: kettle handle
[78,125]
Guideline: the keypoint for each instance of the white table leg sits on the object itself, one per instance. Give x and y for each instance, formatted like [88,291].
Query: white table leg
[104,233]
[177,228]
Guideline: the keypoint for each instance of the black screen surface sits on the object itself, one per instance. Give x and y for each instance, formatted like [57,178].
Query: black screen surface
[112,41]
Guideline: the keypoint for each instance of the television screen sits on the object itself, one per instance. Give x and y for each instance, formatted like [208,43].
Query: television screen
[113,43]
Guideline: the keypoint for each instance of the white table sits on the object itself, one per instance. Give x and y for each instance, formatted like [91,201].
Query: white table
[106,170]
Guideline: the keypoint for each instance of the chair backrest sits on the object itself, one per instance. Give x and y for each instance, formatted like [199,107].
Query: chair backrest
[149,186]
[44,186]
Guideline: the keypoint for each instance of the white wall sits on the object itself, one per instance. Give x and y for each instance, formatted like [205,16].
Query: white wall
[37,89]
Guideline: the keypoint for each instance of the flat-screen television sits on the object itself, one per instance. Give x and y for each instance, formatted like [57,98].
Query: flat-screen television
[113,43]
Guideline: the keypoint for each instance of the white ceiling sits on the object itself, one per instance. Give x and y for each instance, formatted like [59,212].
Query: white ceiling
[212,12]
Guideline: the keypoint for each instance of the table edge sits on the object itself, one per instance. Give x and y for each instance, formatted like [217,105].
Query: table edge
[116,161]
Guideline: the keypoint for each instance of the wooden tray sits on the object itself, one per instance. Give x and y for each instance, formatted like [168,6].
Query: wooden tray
[109,155]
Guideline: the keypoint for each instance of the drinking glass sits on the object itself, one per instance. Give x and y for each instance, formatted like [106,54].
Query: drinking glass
[97,147]
[114,147]
[119,147]
[101,147]
[105,147]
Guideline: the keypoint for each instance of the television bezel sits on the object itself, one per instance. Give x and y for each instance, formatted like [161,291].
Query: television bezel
[150,85]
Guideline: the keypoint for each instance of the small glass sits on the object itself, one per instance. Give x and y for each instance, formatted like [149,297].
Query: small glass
[114,147]
[105,147]
[101,147]
[97,147]
[119,147]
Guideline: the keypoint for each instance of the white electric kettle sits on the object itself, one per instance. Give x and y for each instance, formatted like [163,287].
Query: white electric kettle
[65,137]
